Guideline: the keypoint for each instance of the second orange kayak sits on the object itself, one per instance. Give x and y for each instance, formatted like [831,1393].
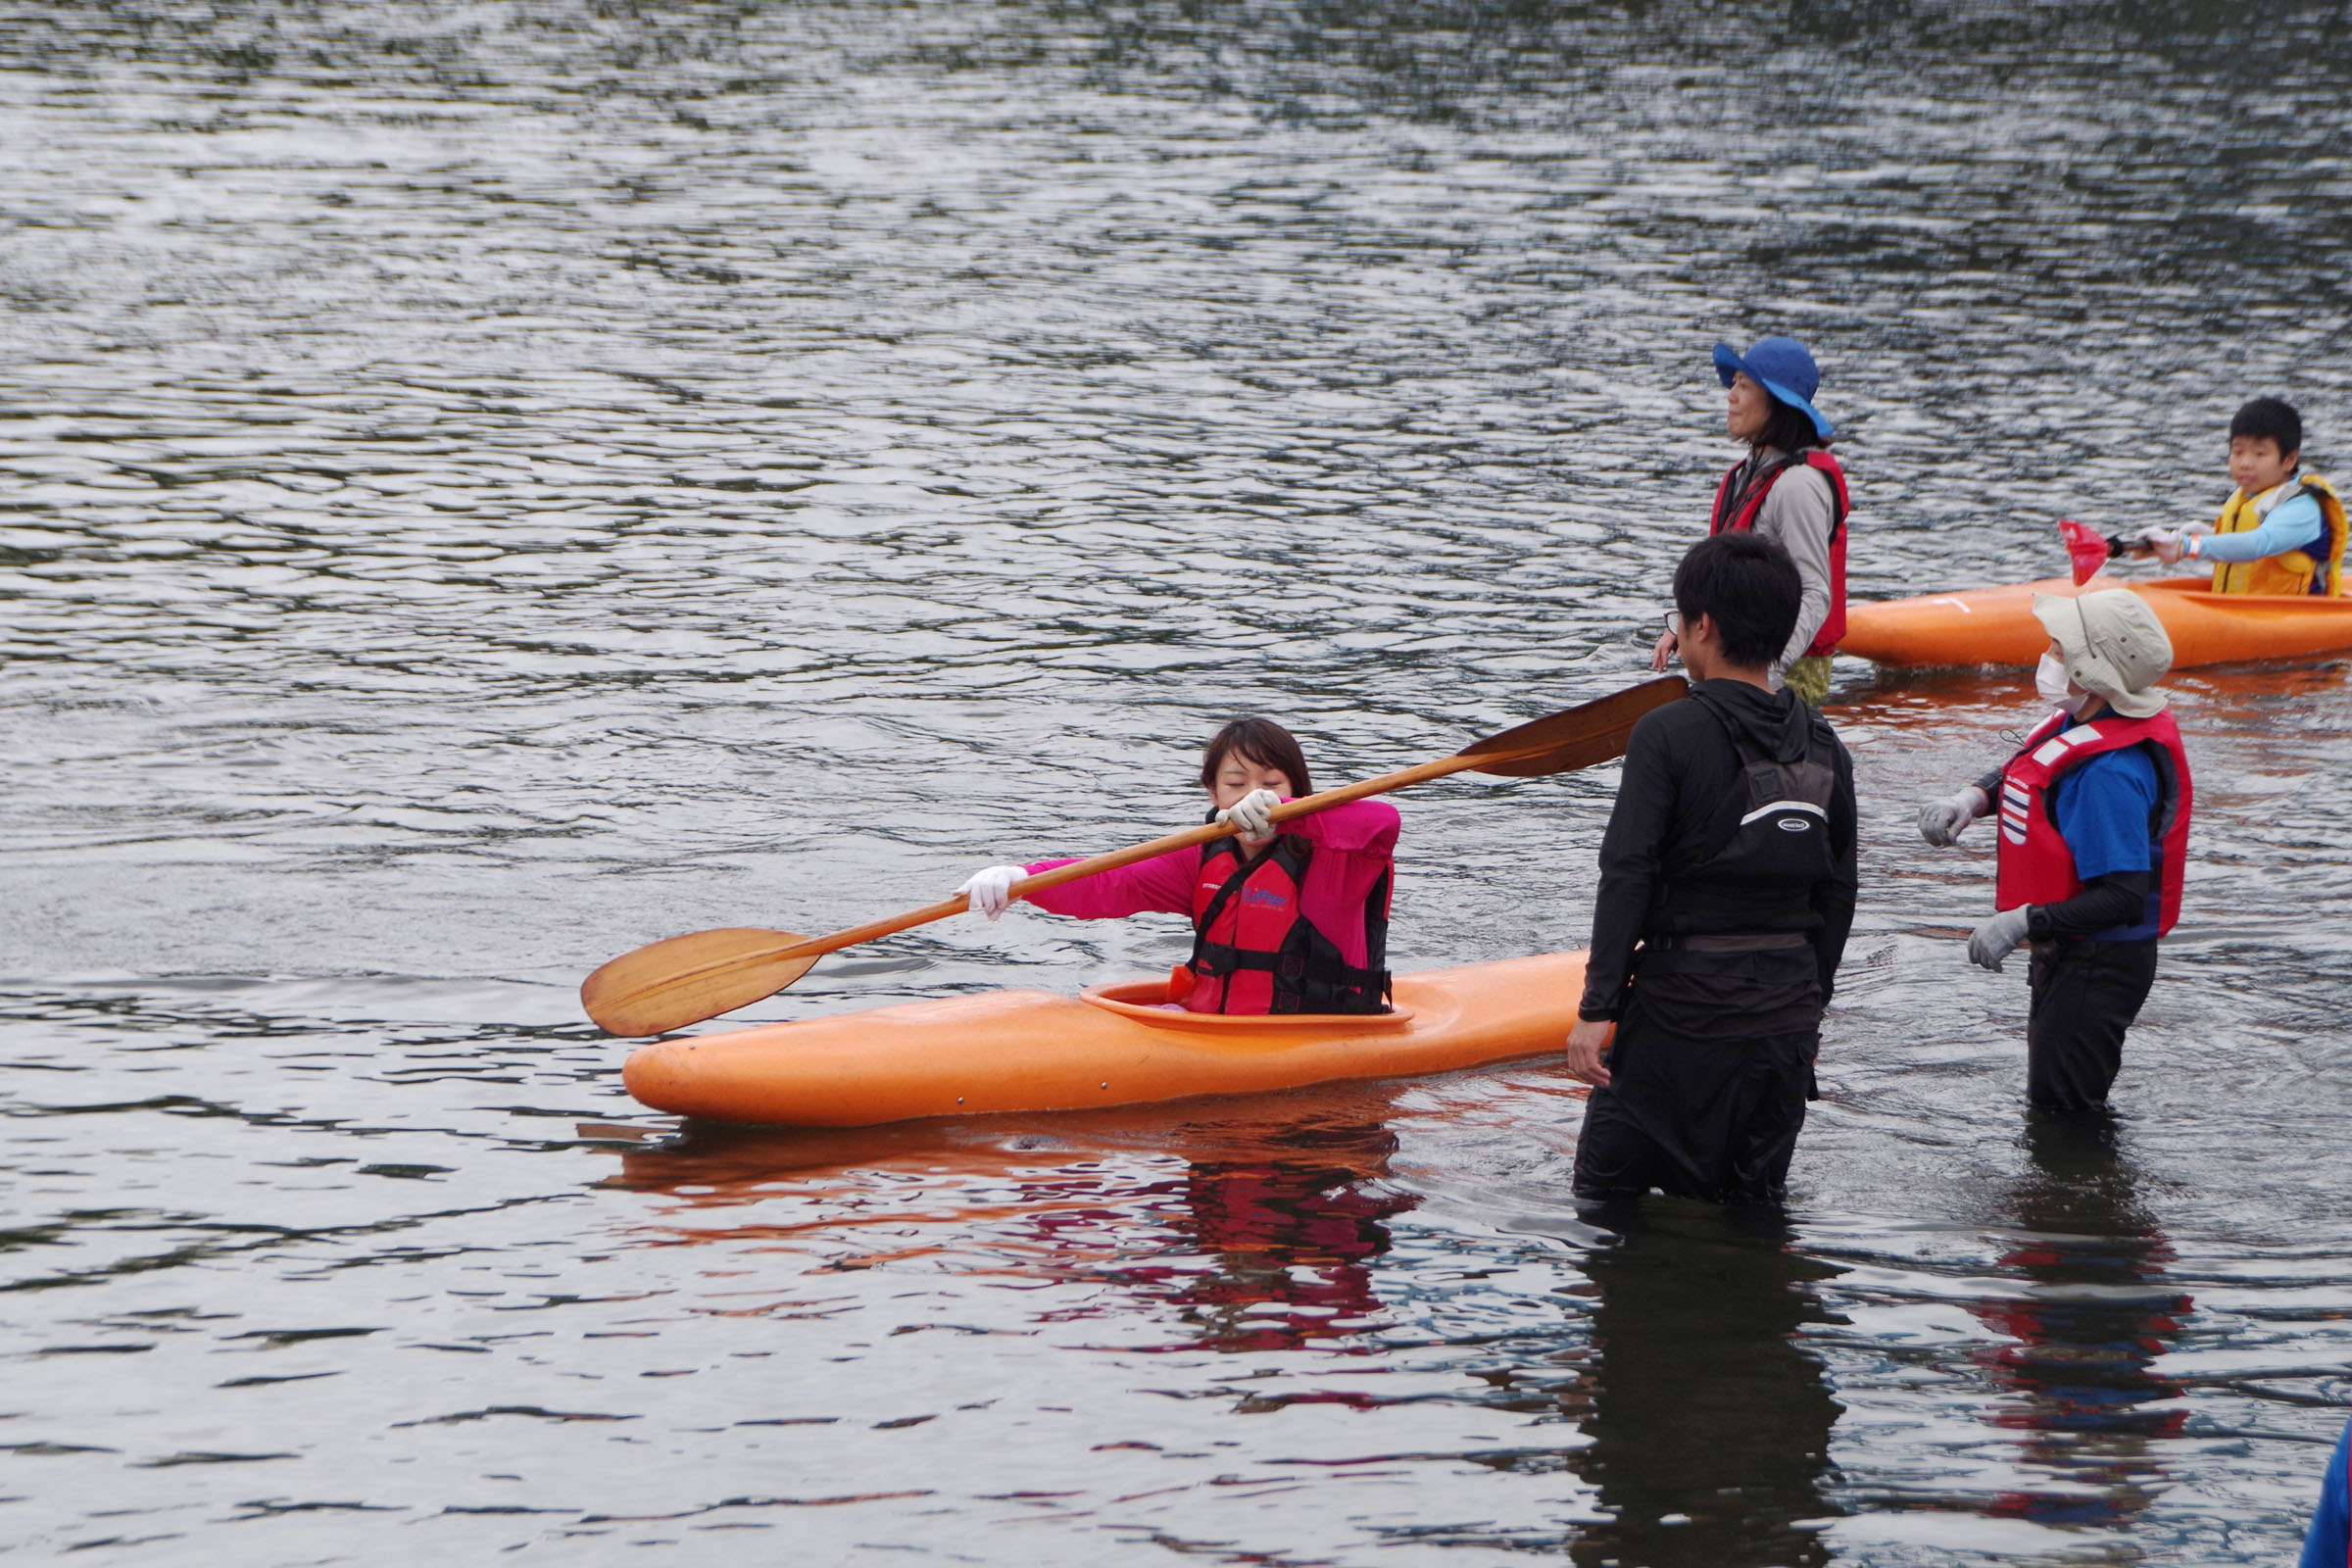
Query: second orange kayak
[1997,625]
[1010,1051]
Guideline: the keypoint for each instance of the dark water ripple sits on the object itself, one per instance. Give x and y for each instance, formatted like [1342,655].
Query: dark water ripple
[485,487]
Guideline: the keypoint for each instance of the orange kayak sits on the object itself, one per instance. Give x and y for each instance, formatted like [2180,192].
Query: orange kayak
[1997,625]
[1022,1051]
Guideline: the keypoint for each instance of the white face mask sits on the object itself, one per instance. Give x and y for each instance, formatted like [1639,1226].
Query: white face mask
[2049,680]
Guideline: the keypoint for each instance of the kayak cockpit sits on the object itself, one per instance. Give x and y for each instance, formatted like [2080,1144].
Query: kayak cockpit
[1146,1002]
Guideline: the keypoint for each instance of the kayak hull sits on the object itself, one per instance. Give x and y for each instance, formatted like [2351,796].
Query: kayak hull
[1029,1051]
[1997,625]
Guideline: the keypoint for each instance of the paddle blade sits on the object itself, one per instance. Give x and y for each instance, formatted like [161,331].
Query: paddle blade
[686,979]
[1577,738]
[2086,548]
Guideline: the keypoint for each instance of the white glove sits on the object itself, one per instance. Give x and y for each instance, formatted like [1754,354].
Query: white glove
[1249,813]
[1998,937]
[1941,822]
[2195,530]
[991,891]
[2158,534]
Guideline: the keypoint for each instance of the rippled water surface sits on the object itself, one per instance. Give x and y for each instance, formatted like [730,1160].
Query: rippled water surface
[485,487]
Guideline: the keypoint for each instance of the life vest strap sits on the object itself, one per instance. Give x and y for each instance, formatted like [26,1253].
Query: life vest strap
[1218,959]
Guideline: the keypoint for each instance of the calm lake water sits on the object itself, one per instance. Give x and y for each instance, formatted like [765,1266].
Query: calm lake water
[486,486]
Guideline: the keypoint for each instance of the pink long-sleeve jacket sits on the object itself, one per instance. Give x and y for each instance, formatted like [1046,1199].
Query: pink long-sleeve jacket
[1355,844]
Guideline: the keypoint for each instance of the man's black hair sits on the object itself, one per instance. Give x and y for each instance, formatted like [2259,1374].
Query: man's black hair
[1752,588]
[2273,418]
[1787,427]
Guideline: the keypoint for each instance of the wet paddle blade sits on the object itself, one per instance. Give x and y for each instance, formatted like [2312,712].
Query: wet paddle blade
[2086,548]
[686,979]
[1595,732]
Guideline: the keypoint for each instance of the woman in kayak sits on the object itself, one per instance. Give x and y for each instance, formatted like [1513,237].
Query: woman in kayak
[1287,917]
[1789,490]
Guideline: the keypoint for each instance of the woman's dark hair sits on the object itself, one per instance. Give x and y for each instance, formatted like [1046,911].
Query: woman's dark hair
[1268,744]
[1787,427]
[2274,418]
[1749,585]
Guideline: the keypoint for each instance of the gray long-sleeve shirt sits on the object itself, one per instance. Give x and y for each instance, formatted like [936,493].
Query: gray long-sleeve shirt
[1800,513]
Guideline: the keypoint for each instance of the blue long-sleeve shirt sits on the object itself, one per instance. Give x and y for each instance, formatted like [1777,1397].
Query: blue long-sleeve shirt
[2296,523]
[2330,1543]
[2102,809]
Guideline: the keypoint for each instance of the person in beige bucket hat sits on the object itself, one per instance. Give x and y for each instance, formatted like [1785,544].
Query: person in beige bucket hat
[2109,644]
[2095,814]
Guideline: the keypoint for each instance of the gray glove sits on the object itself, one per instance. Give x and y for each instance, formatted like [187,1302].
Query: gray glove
[1941,822]
[1998,937]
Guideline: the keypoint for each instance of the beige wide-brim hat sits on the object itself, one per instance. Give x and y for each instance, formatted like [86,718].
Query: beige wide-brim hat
[2113,645]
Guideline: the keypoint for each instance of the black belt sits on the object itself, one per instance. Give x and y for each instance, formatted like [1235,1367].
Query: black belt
[1758,942]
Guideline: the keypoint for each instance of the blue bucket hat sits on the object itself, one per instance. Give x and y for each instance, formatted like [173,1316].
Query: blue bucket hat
[1781,366]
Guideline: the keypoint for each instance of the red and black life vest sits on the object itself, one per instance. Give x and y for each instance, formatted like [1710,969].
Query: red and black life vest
[2036,864]
[1735,510]
[1255,950]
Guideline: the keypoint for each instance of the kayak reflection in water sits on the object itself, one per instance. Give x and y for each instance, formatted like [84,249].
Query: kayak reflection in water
[1287,917]
[1710,1419]
[2092,1321]
[1291,1231]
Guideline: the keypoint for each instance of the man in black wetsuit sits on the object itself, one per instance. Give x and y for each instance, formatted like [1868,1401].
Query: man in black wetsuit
[1730,860]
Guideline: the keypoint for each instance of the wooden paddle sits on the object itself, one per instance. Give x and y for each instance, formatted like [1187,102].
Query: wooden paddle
[686,979]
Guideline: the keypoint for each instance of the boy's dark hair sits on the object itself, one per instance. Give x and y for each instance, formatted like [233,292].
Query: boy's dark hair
[1267,743]
[2272,418]
[1787,427]
[1752,588]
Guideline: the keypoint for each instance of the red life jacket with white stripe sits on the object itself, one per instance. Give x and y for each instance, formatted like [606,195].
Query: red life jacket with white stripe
[1254,951]
[1736,512]
[2036,864]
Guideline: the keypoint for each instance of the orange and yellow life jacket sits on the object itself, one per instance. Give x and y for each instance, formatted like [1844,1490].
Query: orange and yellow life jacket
[2290,572]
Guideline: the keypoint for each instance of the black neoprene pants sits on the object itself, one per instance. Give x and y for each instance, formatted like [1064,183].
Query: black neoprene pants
[1714,1119]
[2086,994]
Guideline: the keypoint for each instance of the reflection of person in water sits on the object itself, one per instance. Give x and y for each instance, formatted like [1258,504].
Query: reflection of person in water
[2093,1319]
[1709,1420]
[1291,1224]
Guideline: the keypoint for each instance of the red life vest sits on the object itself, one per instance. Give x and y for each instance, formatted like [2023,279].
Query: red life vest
[1734,512]
[1254,951]
[2036,864]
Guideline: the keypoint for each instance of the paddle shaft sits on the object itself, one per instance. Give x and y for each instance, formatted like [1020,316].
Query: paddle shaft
[891,925]
[706,973]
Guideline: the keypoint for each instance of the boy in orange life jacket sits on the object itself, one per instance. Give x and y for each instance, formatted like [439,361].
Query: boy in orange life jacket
[2093,840]
[2280,532]
[1730,857]
[1287,917]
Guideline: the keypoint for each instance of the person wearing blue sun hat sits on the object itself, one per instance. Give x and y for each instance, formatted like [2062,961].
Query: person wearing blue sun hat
[1789,490]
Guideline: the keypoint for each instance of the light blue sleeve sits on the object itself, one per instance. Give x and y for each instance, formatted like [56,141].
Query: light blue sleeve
[2294,524]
